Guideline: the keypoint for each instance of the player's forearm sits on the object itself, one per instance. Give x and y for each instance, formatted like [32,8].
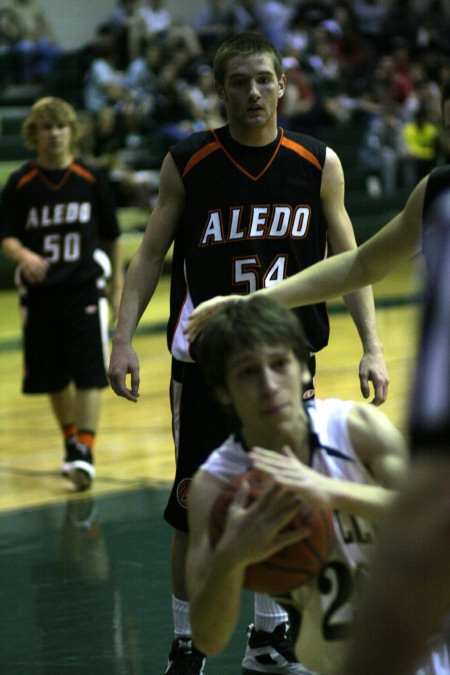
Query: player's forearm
[140,283]
[14,249]
[217,584]
[324,280]
[114,251]
[366,501]
[361,306]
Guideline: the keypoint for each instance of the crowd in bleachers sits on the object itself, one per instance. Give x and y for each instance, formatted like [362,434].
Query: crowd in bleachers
[144,80]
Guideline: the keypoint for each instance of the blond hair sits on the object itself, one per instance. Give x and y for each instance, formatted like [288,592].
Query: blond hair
[50,107]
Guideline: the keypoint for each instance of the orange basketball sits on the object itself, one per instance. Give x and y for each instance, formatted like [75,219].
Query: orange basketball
[290,567]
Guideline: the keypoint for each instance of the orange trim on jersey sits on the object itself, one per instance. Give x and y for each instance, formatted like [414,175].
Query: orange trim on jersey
[27,177]
[200,155]
[296,147]
[241,168]
[84,173]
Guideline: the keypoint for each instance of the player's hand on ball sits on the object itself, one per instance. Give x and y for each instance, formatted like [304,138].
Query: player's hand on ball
[258,530]
[287,470]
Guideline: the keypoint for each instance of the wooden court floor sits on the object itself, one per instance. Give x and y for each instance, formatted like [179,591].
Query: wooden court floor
[86,585]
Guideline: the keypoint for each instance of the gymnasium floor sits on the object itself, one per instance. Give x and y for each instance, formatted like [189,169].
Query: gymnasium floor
[85,579]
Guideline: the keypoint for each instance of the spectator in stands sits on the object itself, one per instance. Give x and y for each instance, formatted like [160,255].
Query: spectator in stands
[349,48]
[388,85]
[245,16]
[298,38]
[298,109]
[9,34]
[275,18]
[421,137]
[130,30]
[381,152]
[33,45]
[401,24]
[313,12]
[370,16]
[205,103]
[434,29]
[175,113]
[142,76]
[212,24]
[106,94]
[157,20]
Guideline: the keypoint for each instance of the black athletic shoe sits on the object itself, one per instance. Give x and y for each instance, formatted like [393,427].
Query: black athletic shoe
[272,653]
[78,465]
[185,659]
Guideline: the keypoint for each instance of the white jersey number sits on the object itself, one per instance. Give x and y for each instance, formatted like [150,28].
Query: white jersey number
[247,271]
[62,247]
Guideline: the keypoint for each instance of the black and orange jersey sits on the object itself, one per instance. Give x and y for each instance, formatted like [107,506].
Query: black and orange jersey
[62,215]
[252,217]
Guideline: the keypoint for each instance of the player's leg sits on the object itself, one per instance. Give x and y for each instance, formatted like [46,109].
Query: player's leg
[271,641]
[63,406]
[85,337]
[198,427]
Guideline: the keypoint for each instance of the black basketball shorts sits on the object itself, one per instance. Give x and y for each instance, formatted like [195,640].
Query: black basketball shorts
[200,425]
[65,332]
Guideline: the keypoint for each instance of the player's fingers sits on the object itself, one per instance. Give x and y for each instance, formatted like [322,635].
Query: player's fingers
[240,497]
[135,382]
[364,384]
[381,388]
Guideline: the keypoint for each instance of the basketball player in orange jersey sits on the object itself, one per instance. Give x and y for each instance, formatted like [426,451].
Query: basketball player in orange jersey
[339,455]
[245,205]
[58,223]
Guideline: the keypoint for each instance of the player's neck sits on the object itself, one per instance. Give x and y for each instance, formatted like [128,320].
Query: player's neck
[294,433]
[54,162]
[255,137]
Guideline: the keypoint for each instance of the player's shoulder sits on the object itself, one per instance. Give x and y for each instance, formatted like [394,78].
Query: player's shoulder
[330,406]
[314,146]
[187,147]
[22,174]
[329,417]
[86,170]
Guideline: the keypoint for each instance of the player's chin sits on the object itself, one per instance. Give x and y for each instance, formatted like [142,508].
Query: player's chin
[280,412]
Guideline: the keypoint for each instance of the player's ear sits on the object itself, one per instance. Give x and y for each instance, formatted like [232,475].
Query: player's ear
[281,85]
[219,90]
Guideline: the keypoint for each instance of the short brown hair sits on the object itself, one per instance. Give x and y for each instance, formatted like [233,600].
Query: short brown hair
[247,325]
[246,44]
[56,109]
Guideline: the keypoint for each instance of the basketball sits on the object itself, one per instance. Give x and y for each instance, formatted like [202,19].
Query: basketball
[292,566]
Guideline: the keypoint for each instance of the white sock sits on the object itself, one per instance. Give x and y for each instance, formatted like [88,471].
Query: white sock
[268,613]
[181,618]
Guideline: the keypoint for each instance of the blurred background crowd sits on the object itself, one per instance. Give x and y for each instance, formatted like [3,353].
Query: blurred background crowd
[371,69]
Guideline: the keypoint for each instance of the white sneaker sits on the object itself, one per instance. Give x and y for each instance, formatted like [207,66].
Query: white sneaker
[272,653]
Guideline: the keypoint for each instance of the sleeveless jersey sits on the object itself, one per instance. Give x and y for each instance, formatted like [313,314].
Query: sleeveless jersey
[61,215]
[430,414]
[329,603]
[252,218]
